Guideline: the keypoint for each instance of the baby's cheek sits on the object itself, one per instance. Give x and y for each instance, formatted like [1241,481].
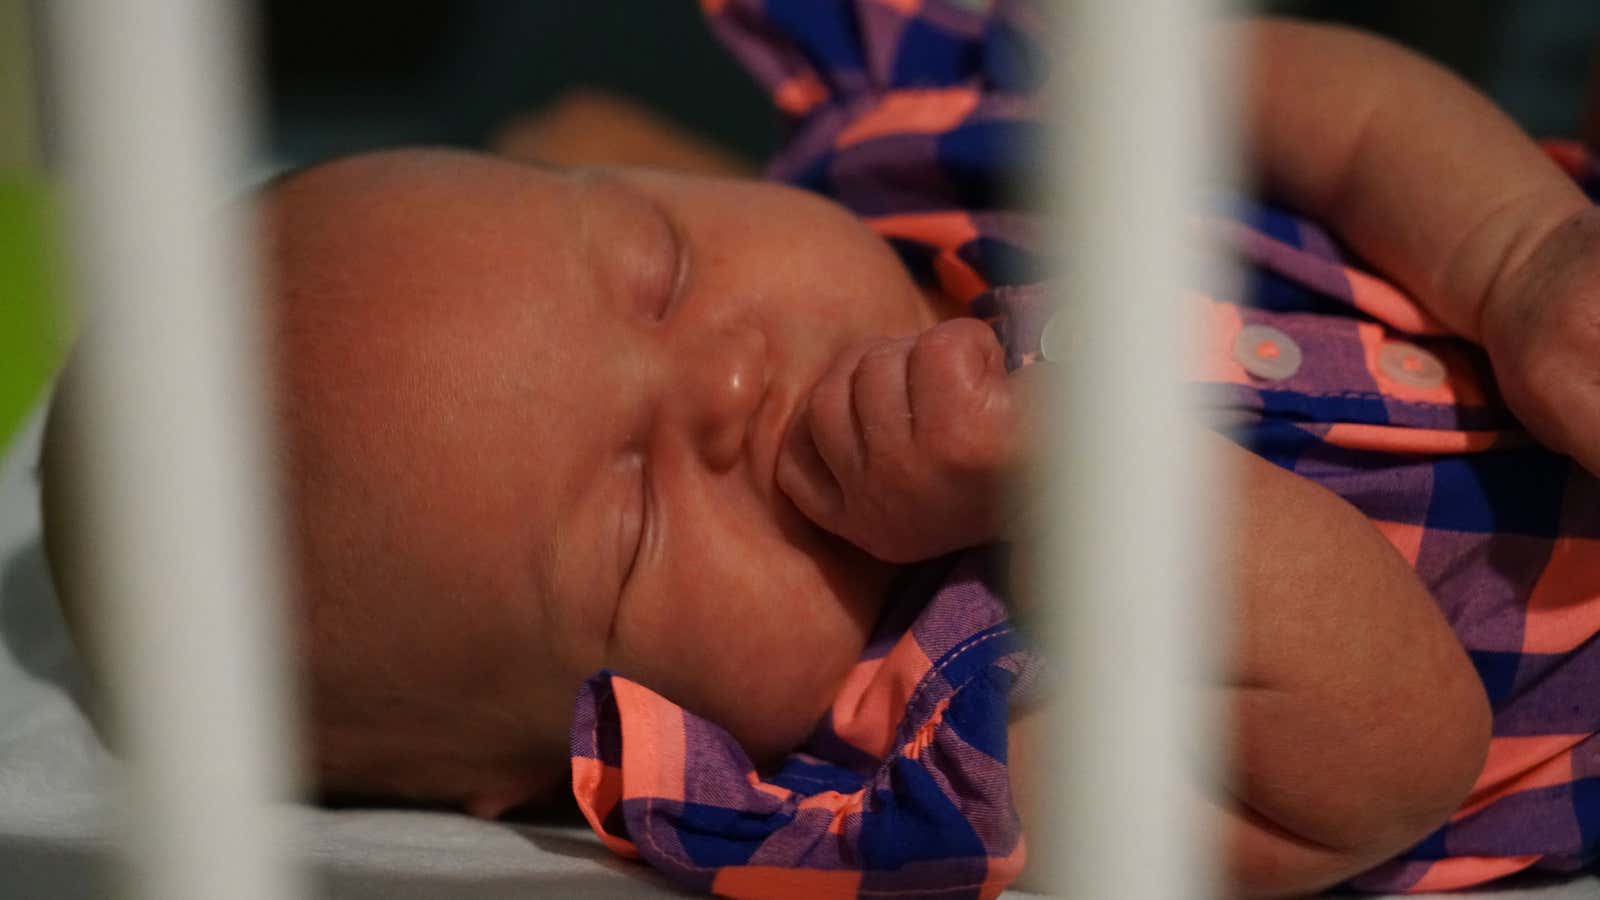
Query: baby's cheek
[760,653]
[776,686]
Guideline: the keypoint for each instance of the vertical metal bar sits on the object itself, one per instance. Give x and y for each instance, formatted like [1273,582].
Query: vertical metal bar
[1131,151]
[184,560]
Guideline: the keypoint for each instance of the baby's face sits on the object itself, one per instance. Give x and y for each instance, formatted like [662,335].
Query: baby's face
[535,415]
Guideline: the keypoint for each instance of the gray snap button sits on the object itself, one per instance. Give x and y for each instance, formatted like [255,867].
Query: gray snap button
[1411,365]
[1266,352]
[1055,341]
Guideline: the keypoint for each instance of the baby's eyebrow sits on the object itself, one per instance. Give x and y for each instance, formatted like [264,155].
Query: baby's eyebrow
[539,164]
[606,177]
[283,177]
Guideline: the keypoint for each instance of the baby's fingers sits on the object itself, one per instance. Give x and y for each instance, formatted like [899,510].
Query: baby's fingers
[823,454]
[1571,423]
[1585,442]
[804,477]
[879,398]
[967,412]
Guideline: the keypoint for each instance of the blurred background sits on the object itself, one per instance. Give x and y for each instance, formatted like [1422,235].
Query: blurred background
[348,76]
[342,77]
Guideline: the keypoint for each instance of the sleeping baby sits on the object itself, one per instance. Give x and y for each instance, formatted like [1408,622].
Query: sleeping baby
[726,461]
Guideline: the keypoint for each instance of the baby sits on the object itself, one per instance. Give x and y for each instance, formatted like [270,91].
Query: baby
[536,419]
[540,423]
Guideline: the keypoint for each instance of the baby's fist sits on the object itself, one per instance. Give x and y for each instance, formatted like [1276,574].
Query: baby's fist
[1542,331]
[906,446]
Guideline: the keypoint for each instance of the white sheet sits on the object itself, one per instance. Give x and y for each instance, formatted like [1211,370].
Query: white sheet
[53,833]
[53,829]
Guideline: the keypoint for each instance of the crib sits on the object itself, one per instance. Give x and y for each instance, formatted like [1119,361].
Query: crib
[154,101]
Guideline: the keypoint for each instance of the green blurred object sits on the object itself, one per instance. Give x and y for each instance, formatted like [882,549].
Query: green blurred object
[33,326]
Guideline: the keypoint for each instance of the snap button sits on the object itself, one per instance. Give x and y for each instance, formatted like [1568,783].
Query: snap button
[1266,352]
[1411,365]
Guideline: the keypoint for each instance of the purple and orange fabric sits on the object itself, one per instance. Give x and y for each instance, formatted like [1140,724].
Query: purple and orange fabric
[902,789]
[1505,534]
[919,115]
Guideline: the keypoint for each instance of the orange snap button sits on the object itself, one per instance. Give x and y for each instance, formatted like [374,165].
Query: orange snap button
[1411,365]
[1267,352]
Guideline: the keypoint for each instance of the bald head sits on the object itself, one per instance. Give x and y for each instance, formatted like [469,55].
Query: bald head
[530,421]
[420,642]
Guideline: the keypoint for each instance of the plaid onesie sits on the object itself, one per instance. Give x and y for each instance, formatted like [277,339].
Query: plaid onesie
[920,116]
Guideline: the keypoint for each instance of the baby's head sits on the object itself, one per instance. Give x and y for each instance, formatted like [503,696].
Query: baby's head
[531,421]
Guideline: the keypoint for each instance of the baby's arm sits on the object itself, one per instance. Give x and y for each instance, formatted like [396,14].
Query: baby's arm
[1430,183]
[1357,724]
[586,127]
[1415,170]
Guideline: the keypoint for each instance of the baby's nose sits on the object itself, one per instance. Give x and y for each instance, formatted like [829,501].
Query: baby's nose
[726,379]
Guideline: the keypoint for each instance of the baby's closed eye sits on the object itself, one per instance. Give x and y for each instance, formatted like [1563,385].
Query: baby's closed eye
[632,519]
[640,248]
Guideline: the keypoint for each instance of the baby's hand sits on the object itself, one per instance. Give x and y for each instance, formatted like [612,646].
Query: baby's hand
[1542,331]
[907,446]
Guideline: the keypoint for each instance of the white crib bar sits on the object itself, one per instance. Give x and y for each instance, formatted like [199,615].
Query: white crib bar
[1133,145]
[152,128]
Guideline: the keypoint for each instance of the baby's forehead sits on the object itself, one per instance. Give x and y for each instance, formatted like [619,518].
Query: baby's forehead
[419,226]
[405,201]
[403,168]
